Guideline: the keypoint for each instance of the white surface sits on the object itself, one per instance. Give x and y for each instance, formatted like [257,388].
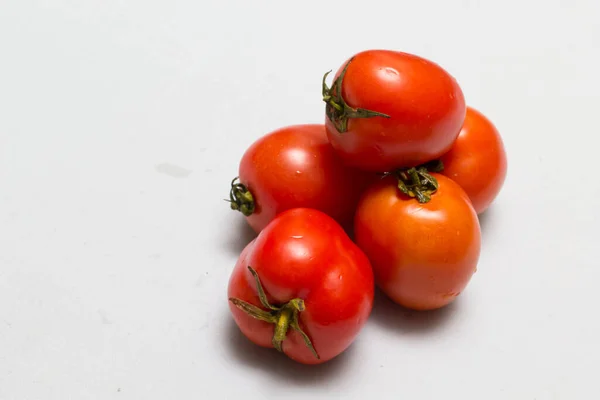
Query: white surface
[122,123]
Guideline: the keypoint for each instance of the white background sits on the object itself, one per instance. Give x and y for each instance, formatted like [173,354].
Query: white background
[122,123]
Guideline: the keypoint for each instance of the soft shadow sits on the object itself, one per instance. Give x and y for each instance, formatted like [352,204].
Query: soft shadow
[239,235]
[350,232]
[390,315]
[279,366]
[485,219]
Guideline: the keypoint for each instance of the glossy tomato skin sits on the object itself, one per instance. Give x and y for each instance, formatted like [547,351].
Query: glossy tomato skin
[425,104]
[305,254]
[295,167]
[423,255]
[477,160]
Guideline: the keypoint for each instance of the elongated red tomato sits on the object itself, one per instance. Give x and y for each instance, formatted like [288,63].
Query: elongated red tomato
[477,160]
[388,109]
[302,286]
[423,253]
[295,167]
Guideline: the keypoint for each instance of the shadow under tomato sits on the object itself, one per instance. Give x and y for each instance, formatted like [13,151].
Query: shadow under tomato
[238,235]
[392,316]
[278,366]
[486,219]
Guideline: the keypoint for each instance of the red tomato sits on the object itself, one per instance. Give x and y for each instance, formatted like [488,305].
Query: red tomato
[317,285]
[423,253]
[295,167]
[395,110]
[477,160]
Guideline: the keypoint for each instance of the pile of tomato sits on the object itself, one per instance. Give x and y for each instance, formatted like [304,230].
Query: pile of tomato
[385,193]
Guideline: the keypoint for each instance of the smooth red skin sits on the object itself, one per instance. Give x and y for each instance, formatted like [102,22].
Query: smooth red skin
[425,104]
[296,167]
[477,160]
[423,255]
[305,254]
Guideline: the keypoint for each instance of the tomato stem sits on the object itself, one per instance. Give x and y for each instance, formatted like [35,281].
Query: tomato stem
[417,182]
[337,110]
[283,317]
[240,198]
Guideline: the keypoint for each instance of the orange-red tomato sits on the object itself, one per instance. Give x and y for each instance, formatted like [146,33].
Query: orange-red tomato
[477,160]
[424,109]
[423,254]
[311,273]
[295,167]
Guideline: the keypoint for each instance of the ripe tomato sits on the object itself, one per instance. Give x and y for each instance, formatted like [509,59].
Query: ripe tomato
[295,167]
[423,253]
[302,286]
[477,160]
[388,109]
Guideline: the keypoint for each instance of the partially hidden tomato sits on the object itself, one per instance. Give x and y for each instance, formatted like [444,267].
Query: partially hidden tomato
[303,287]
[295,167]
[388,109]
[477,160]
[423,252]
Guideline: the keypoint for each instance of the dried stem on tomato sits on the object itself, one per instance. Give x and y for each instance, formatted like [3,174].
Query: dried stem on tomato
[417,182]
[284,317]
[240,198]
[337,110]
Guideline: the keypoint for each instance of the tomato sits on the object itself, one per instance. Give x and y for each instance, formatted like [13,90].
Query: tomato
[388,109]
[477,160]
[423,253]
[303,287]
[295,167]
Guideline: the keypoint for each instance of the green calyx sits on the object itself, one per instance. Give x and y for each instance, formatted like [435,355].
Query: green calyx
[240,198]
[283,317]
[417,182]
[337,110]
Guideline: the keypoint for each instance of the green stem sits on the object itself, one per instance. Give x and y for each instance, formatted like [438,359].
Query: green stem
[240,198]
[417,182]
[337,110]
[283,317]
[282,324]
